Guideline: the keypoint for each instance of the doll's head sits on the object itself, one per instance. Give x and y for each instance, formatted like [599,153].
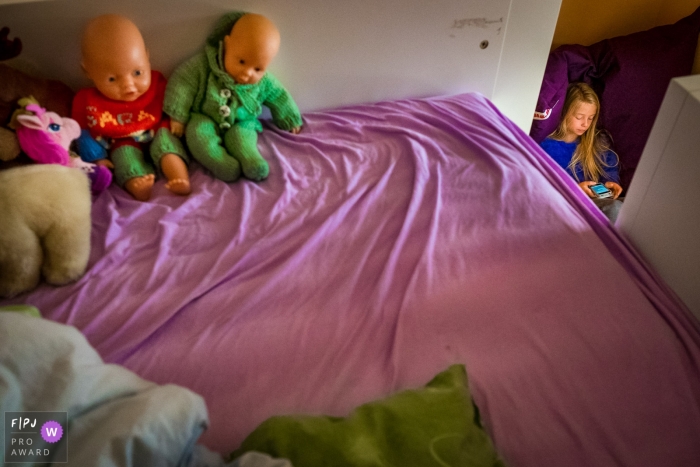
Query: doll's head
[250,47]
[115,58]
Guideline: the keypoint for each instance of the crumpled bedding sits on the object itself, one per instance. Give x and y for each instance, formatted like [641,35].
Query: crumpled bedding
[434,425]
[390,241]
[115,418]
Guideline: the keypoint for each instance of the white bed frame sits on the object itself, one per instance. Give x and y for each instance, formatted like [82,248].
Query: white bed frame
[333,53]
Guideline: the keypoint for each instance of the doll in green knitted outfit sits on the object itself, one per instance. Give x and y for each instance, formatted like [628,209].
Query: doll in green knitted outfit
[216,97]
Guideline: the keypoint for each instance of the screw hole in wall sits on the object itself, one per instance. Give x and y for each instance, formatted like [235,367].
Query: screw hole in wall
[484,44]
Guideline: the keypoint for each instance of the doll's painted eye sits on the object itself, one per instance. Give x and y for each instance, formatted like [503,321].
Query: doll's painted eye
[54,127]
[242,62]
[111,79]
[138,73]
[258,70]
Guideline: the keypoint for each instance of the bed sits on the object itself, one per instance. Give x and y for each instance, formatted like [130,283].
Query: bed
[391,240]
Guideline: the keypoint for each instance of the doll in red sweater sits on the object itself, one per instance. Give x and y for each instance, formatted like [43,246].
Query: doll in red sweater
[123,112]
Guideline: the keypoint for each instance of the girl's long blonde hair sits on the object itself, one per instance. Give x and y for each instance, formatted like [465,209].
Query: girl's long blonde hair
[592,145]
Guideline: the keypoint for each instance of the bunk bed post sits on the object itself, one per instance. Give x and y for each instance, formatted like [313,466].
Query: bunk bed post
[661,215]
[526,45]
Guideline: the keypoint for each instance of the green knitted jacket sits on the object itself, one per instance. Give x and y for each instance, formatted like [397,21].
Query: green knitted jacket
[202,85]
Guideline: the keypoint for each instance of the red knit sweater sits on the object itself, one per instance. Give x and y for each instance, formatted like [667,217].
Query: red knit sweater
[117,119]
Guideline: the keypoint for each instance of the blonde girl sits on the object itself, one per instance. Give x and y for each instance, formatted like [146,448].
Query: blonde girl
[580,149]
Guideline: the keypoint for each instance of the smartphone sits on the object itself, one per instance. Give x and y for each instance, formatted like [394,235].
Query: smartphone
[601,191]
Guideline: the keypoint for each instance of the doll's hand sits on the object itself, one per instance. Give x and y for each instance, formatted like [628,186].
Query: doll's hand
[585,187]
[177,128]
[615,188]
[295,130]
[105,163]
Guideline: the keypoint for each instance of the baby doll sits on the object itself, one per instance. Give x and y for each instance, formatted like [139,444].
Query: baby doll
[219,93]
[123,112]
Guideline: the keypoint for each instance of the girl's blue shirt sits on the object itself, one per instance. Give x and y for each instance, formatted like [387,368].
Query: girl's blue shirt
[562,152]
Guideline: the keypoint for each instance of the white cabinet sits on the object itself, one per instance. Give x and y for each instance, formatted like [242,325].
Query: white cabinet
[661,212]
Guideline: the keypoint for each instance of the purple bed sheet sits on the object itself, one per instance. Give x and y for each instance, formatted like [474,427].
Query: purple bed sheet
[390,241]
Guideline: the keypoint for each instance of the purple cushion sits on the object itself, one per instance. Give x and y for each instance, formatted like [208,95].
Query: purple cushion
[630,74]
[566,64]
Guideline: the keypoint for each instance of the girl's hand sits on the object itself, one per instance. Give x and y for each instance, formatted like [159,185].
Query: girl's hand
[585,187]
[614,187]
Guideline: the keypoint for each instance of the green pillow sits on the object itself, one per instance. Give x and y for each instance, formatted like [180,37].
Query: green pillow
[26,309]
[433,426]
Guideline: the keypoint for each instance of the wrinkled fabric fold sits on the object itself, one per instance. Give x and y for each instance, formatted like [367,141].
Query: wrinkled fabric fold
[390,241]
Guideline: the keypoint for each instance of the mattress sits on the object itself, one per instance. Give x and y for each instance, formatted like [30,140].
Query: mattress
[390,241]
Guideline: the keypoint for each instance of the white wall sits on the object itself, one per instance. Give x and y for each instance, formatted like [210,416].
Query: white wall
[333,53]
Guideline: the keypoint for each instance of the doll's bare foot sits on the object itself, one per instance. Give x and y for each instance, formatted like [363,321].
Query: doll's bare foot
[175,170]
[140,187]
[179,186]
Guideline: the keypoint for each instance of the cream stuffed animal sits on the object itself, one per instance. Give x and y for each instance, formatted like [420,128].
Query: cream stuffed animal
[44,226]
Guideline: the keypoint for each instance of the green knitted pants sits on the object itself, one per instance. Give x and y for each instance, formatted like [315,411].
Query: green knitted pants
[225,159]
[129,161]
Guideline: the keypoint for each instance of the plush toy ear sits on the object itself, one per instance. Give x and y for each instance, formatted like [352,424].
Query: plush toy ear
[30,121]
[71,128]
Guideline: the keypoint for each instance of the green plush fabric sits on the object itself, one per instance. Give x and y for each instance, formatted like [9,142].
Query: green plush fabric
[434,426]
[25,309]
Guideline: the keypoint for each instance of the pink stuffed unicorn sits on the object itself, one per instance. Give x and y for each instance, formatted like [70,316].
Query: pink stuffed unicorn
[45,137]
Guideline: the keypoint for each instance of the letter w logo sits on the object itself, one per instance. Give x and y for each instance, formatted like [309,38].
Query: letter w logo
[53,432]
